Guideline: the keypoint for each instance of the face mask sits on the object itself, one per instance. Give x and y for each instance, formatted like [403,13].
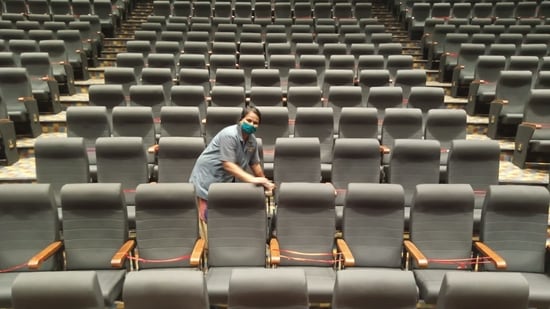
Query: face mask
[248,128]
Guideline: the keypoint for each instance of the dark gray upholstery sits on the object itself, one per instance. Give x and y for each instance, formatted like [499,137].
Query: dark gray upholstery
[532,142]
[445,125]
[161,60]
[166,223]
[123,74]
[88,122]
[354,160]
[441,226]
[107,95]
[177,156]
[413,162]
[400,123]
[137,121]
[268,288]
[514,88]
[475,163]
[373,224]
[122,160]
[16,94]
[482,91]
[369,78]
[190,95]
[274,124]
[29,223]
[169,289]
[219,117]
[373,289]
[228,96]
[62,290]
[95,226]
[180,121]
[337,77]
[395,63]
[383,97]
[60,161]
[513,223]
[339,97]
[483,290]
[266,96]
[306,223]
[237,228]
[45,91]
[297,160]
[152,96]
[302,96]
[426,99]
[408,78]
[463,75]
[358,122]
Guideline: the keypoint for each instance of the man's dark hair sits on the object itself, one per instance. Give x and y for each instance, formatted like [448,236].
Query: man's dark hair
[252,109]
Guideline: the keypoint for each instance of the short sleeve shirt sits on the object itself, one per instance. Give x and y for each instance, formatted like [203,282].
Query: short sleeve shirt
[227,145]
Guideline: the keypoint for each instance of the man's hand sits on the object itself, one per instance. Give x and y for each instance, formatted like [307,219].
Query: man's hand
[268,185]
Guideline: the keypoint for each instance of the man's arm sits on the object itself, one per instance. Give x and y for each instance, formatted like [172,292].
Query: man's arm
[257,170]
[242,175]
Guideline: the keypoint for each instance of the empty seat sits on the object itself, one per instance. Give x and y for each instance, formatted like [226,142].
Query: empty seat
[180,121]
[297,160]
[383,97]
[136,61]
[45,88]
[482,88]
[358,122]
[339,97]
[107,95]
[189,95]
[219,117]
[400,123]
[228,96]
[156,76]
[151,96]
[177,156]
[445,125]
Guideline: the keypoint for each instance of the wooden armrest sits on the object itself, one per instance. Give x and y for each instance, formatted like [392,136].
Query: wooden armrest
[384,149]
[500,101]
[416,254]
[274,251]
[196,255]
[153,149]
[120,256]
[479,81]
[36,261]
[24,99]
[349,260]
[532,125]
[499,262]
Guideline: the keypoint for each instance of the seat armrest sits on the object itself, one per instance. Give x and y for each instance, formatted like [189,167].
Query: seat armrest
[500,101]
[532,125]
[499,262]
[36,261]
[275,253]
[198,250]
[416,254]
[120,256]
[384,149]
[349,260]
[153,149]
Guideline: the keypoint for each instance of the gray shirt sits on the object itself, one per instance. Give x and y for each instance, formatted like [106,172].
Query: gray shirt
[227,145]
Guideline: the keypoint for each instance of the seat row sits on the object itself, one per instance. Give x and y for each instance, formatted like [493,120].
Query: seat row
[370,238]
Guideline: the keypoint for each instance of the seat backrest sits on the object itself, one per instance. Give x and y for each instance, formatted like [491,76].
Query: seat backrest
[372,78]
[94,224]
[298,204]
[140,291]
[188,96]
[358,122]
[373,224]
[297,160]
[302,96]
[157,76]
[354,160]
[14,83]
[29,223]
[177,156]
[268,288]
[274,124]
[316,122]
[125,76]
[445,125]
[148,96]
[401,123]
[180,121]
[122,160]
[219,117]
[475,162]
[445,210]
[514,86]
[134,121]
[236,218]
[62,290]
[505,207]
[537,109]
[426,98]
[408,78]
[340,97]
[88,122]
[266,96]
[384,97]
[228,96]
[166,223]
[460,289]
[60,161]
[107,95]
[414,162]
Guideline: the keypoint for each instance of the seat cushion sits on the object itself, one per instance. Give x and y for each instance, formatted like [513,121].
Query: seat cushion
[539,287]
[217,283]
[320,283]
[512,118]
[6,280]
[110,282]
[540,145]
[429,282]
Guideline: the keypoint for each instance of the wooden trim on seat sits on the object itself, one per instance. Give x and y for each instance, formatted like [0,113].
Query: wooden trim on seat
[119,257]
[36,261]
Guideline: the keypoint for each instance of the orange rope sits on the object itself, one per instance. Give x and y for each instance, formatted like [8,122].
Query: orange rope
[176,259]
[13,268]
[301,259]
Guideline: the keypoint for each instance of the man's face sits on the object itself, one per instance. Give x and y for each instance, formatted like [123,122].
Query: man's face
[252,119]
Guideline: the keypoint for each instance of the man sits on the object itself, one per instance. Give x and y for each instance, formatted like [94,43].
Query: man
[227,156]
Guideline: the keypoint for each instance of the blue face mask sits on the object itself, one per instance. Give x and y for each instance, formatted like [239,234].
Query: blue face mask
[248,128]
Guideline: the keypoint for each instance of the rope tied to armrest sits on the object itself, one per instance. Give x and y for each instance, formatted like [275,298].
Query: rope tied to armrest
[302,259]
[13,268]
[171,260]
[462,263]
